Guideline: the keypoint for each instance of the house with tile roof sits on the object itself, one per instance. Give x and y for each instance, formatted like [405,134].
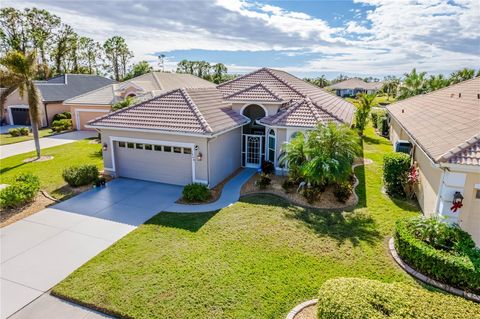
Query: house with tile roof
[92,104]
[351,87]
[443,129]
[52,93]
[204,134]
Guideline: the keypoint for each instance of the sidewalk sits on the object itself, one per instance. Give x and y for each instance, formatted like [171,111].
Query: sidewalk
[45,142]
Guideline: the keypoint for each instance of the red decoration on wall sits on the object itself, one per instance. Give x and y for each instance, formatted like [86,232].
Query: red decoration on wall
[456,206]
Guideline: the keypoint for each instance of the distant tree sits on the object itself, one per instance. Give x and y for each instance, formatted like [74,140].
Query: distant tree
[436,82]
[40,26]
[339,78]
[371,79]
[320,81]
[61,52]
[140,68]
[390,87]
[19,72]
[13,33]
[118,56]
[90,55]
[414,83]
[364,104]
[219,70]
[462,75]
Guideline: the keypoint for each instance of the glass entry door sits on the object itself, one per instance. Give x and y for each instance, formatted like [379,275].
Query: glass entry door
[253,150]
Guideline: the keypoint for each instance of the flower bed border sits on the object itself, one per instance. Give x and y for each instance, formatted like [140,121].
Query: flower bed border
[295,311]
[425,279]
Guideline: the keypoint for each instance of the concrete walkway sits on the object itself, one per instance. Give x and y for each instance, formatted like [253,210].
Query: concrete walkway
[230,195]
[45,142]
[41,250]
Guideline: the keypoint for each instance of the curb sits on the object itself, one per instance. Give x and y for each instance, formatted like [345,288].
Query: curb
[419,276]
[295,311]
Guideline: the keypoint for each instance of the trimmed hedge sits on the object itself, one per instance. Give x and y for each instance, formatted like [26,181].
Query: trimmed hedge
[24,188]
[395,170]
[80,175]
[457,268]
[375,115]
[62,116]
[62,125]
[354,298]
[19,131]
[196,192]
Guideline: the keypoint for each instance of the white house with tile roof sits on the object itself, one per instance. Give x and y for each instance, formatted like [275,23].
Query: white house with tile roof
[443,128]
[204,134]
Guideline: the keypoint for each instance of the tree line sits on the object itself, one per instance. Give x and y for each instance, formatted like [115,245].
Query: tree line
[410,84]
[216,73]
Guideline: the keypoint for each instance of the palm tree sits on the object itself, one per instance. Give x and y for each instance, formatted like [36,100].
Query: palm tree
[330,152]
[364,104]
[390,87]
[413,84]
[462,75]
[19,73]
[437,82]
[293,155]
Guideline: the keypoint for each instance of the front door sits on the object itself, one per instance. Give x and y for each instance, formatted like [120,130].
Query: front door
[253,150]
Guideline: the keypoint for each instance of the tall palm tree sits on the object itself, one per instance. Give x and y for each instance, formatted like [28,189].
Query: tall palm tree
[462,75]
[19,72]
[413,84]
[390,87]
[364,104]
[436,82]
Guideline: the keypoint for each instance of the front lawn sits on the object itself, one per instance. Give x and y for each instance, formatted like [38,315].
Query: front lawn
[50,172]
[255,259]
[8,139]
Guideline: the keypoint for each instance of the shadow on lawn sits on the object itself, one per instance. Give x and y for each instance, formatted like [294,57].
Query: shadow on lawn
[188,221]
[8,168]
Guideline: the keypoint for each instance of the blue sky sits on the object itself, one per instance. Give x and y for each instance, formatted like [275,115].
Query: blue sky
[306,38]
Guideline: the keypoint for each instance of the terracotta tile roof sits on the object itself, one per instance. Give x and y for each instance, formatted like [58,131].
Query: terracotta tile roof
[255,92]
[445,123]
[199,111]
[300,113]
[356,83]
[288,87]
[153,81]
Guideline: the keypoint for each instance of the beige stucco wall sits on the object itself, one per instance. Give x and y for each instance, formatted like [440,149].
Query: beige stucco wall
[429,186]
[224,155]
[396,132]
[201,170]
[55,108]
[469,218]
[82,116]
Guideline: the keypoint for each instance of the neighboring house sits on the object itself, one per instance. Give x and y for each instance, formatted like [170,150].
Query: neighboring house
[204,134]
[52,93]
[96,103]
[444,129]
[352,87]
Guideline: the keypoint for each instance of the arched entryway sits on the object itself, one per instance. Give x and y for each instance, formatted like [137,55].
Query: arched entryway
[253,139]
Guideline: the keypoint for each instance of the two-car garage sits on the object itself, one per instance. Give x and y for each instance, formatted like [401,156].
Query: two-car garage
[165,162]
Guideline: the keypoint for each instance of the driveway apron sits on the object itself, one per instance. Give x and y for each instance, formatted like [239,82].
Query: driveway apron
[41,250]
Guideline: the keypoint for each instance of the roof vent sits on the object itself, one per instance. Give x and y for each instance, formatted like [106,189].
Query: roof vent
[403,111]
[452,95]
[478,96]
[459,95]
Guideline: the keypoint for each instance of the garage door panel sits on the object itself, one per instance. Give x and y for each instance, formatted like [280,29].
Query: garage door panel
[154,165]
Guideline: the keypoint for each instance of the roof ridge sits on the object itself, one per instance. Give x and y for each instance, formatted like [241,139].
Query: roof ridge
[288,84]
[288,110]
[251,87]
[196,111]
[156,79]
[475,139]
[86,93]
[240,77]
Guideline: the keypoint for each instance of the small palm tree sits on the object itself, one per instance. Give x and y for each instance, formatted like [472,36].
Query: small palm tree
[19,72]
[293,155]
[364,104]
[413,84]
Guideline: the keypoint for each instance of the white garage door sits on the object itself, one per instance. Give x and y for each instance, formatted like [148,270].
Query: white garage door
[158,163]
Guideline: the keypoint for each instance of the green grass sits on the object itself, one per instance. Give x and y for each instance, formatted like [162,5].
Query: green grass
[8,139]
[50,172]
[255,259]
[380,100]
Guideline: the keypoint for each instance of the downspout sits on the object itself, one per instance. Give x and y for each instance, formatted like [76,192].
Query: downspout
[208,163]
[46,113]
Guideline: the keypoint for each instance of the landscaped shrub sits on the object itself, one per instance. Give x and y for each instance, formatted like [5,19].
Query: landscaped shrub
[268,167]
[395,171]
[311,194]
[354,298]
[263,181]
[288,184]
[62,116]
[450,258]
[80,175]
[196,192]
[375,115]
[19,131]
[382,125]
[62,125]
[342,191]
[23,189]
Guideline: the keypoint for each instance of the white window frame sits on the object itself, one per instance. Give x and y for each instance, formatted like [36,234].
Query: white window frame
[9,109]
[269,146]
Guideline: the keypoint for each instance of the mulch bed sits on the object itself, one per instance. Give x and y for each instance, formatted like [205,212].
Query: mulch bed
[12,215]
[215,192]
[326,199]
[309,312]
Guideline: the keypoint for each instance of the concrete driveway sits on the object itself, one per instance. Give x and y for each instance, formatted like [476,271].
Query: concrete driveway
[45,142]
[41,250]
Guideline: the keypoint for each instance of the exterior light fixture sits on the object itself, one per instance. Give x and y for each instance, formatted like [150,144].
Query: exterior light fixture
[105,147]
[199,156]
